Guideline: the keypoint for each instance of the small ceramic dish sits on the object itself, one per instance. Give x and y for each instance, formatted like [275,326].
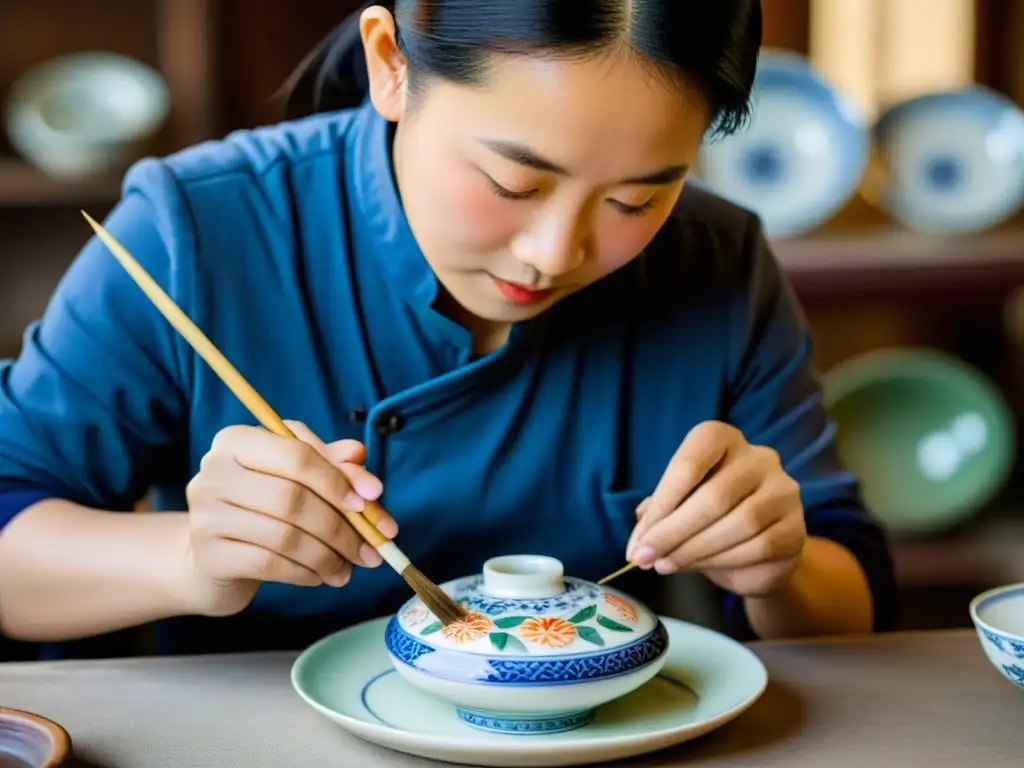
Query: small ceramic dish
[998,617]
[28,740]
[85,113]
[803,155]
[952,162]
[538,653]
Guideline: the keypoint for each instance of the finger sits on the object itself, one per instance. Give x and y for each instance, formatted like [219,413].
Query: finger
[701,450]
[718,498]
[751,517]
[642,507]
[384,522]
[282,538]
[295,460]
[781,541]
[299,506]
[346,452]
[244,560]
[364,482]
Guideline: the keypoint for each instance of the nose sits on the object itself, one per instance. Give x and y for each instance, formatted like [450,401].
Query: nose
[553,245]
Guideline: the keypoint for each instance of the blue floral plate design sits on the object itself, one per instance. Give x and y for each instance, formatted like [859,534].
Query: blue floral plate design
[953,161]
[803,155]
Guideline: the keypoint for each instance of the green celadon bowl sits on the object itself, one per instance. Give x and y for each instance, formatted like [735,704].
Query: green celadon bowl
[931,438]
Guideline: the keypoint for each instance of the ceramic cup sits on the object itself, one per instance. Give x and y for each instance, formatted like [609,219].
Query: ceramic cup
[803,155]
[538,653]
[998,617]
[28,740]
[953,161]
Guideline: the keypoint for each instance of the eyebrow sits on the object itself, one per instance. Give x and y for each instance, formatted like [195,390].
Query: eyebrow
[517,153]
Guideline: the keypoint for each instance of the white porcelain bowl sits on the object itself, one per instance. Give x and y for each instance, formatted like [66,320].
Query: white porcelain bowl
[538,653]
[998,617]
[953,160]
[85,113]
[803,155]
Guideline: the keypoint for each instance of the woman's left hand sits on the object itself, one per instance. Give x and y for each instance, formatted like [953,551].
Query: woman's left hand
[725,508]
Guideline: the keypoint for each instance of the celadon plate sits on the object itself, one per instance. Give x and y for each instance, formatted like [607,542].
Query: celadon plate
[708,680]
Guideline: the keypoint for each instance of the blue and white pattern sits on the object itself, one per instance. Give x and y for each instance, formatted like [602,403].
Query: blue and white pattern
[1014,673]
[802,157]
[954,160]
[548,670]
[577,593]
[525,725]
[1007,645]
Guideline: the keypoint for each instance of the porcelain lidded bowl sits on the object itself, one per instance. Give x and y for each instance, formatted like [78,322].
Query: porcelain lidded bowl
[539,652]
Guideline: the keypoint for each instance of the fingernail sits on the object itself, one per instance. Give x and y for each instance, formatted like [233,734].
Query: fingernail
[369,487]
[388,527]
[370,557]
[644,555]
[340,579]
[354,502]
[665,567]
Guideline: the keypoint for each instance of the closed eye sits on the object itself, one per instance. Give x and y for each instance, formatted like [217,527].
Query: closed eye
[501,191]
[633,210]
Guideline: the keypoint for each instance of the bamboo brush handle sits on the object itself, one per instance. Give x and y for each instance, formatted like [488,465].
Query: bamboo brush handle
[249,397]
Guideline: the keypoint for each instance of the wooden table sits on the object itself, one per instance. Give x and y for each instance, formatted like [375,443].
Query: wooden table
[910,700]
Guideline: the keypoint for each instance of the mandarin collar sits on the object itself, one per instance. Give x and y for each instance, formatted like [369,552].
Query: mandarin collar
[378,210]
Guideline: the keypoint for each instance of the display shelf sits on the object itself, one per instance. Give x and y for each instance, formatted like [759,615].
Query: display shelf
[21,184]
[891,264]
[988,553]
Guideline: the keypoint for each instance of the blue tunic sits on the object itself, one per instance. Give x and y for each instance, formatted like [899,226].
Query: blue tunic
[288,246]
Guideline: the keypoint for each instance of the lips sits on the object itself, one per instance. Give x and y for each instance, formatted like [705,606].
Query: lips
[520,294]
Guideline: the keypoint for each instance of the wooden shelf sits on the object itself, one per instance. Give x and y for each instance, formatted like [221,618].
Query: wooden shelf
[22,184]
[890,264]
[988,553]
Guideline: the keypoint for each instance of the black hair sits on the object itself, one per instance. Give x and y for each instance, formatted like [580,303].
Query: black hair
[712,44]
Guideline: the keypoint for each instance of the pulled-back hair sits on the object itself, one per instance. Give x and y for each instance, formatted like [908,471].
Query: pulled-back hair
[711,44]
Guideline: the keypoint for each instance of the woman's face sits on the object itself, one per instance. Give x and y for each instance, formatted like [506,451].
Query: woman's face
[542,180]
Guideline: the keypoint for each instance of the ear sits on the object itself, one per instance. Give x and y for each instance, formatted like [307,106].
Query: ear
[385,64]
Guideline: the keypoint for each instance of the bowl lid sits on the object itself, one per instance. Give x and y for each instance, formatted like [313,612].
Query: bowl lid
[524,605]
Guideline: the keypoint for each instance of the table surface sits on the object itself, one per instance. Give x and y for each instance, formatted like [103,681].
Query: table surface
[927,699]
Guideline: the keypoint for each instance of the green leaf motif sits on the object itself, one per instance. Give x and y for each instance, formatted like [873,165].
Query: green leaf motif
[504,641]
[591,635]
[431,628]
[583,615]
[506,622]
[614,626]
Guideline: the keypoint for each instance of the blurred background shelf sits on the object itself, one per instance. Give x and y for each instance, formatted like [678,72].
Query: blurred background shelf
[21,185]
[888,264]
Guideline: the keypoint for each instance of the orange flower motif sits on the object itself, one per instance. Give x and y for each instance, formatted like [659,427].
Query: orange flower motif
[550,631]
[468,629]
[622,607]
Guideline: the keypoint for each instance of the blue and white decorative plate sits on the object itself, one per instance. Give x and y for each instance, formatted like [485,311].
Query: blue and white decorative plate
[801,158]
[953,161]
[707,681]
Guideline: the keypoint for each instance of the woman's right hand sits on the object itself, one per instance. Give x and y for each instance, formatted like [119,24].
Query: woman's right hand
[265,508]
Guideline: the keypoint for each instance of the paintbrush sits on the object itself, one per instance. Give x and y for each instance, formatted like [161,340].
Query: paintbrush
[434,598]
